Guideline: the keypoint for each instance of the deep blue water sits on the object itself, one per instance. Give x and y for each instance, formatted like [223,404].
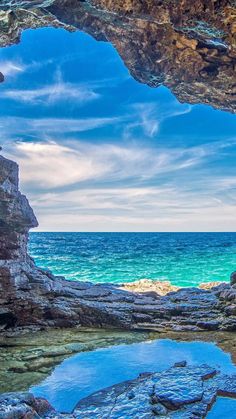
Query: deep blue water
[85,373]
[185,259]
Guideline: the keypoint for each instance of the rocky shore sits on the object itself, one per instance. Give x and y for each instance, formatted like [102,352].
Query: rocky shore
[180,392]
[190,47]
[35,299]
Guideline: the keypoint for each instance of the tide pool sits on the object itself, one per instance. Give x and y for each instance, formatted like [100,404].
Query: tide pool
[85,373]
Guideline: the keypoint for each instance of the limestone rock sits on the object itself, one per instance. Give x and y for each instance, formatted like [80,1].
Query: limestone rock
[148,287]
[180,392]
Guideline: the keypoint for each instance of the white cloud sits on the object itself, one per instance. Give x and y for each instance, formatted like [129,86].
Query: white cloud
[87,187]
[144,117]
[52,93]
[133,209]
[48,165]
[58,91]
[44,127]
[11,68]
[149,116]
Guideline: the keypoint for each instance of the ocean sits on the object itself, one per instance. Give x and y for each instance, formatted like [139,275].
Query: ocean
[184,259]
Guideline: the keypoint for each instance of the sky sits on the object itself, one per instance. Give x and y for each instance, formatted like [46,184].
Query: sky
[99,151]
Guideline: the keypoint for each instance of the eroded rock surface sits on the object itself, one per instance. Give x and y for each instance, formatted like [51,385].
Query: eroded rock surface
[180,392]
[189,46]
[31,297]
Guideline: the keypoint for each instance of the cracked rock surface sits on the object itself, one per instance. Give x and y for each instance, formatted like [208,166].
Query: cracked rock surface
[180,392]
[188,46]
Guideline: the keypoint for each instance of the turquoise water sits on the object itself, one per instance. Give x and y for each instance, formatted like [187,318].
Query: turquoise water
[85,373]
[185,259]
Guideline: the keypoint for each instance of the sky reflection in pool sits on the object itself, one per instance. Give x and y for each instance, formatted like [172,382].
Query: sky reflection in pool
[224,408]
[87,372]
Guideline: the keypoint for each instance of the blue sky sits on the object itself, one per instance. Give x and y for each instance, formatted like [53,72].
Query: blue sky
[99,151]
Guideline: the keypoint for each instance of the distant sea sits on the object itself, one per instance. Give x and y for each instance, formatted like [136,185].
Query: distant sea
[184,259]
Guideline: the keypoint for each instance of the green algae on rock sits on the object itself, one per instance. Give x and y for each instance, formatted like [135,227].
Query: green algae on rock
[28,358]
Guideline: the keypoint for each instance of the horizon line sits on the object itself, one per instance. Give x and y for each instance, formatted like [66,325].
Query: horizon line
[136,232]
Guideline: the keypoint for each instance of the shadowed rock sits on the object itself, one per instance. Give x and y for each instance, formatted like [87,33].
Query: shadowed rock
[189,46]
[233,278]
[30,296]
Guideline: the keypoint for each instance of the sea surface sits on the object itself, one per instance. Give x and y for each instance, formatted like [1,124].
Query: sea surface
[184,259]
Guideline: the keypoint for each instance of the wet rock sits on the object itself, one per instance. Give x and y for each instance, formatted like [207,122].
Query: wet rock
[231,310]
[27,359]
[185,392]
[180,364]
[159,410]
[23,405]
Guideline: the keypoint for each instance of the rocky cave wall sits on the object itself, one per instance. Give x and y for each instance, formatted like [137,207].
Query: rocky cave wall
[188,46]
[16,216]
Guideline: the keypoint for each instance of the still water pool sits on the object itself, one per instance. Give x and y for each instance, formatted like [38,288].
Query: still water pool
[87,372]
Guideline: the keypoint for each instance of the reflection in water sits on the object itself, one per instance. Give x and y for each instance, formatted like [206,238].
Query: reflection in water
[85,373]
